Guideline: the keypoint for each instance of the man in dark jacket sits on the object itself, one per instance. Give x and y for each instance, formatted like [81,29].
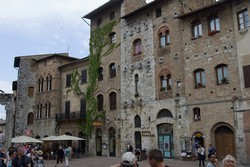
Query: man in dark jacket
[21,160]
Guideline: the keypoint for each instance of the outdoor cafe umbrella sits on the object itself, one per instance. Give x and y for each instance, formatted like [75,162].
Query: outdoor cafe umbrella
[61,138]
[25,139]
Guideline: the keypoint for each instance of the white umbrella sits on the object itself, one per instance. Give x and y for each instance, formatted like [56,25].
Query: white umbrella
[25,139]
[67,137]
[49,138]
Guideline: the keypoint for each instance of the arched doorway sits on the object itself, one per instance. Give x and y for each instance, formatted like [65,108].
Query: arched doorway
[224,141]
[112,141]
[198,138]
[165,140]
[98,142]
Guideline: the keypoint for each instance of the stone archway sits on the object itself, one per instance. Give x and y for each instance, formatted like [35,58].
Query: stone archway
[224,137]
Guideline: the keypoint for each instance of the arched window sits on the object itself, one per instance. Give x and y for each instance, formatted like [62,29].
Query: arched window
[112,100]
[137,47]
[200,78]
[164,113]
[49,82]
[47,109]
[222,74]
[165,80]
[30,120]
[40,84]
[112,70]
[112,38]
[137,121]
[197,114]
[100,74]
[100,102]
[39,111]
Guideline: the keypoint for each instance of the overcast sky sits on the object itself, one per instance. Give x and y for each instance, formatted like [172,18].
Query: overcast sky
[29,27]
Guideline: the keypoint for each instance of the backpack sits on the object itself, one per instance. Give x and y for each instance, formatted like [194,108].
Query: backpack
[67,152]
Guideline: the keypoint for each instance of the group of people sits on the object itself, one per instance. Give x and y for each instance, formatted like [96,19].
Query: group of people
[228,161]
[64,155]
[21,157]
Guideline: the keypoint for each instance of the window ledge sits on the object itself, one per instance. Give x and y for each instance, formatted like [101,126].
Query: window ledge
[194,38]
[211,33]
[243,31]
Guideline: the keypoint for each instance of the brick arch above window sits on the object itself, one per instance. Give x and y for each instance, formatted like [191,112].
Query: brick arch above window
[164,72]
[163,29]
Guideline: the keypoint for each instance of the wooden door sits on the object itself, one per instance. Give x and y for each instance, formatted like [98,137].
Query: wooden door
[225,143]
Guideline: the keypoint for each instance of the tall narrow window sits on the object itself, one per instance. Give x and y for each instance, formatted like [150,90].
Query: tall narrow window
[47,109]
[197,29]
[39,111]
[100,74]
[49,82]
[83,108]
[100,102]
[136,84]
[158,12]
[84,77]
[243,19]
[166,81]
[246,74]
[164,38]
[30,120]
[112,70]
[112,37]
[67,109]
[40,84]
[99,22]
[112,100]
[137,121]
[137,47]
[222,74]
[197,114]
[200,78]
[214,24]
[68,80]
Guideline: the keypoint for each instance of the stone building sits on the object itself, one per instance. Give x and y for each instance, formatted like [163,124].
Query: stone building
[242,103]
[180,77]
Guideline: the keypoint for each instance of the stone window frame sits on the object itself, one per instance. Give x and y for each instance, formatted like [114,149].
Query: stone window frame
[30,119]
[112,101]
[112,38]
[197,114]
[137,121]
[31,91]
[196,29]
[164,32]
[49,82]
[222,74]
[100,73]
[40,84]
[47,109]
[137,46]
[243,21]
[112,70]
[68,80]
[166,77]
[213,25]
[199,78]
[84,77]
[100,102]
[39,111]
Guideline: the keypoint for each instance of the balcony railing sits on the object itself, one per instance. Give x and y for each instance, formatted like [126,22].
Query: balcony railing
[70,116]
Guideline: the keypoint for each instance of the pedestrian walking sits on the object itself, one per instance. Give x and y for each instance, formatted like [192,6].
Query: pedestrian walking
[155,158]
[212,161]
[229,161]
[67,153]
[201,155]
[60,155]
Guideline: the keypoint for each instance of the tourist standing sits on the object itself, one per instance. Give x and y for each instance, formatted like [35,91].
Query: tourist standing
[211,149]
[128,160]
[201,155]
[67,152]
[60,155]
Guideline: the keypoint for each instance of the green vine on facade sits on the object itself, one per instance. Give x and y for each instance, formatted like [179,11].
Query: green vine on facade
[100,45]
